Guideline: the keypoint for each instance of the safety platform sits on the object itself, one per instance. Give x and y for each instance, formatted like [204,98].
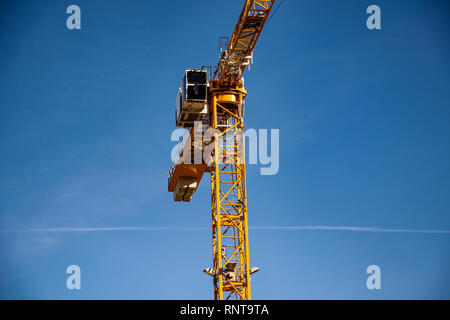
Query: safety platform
[185,174]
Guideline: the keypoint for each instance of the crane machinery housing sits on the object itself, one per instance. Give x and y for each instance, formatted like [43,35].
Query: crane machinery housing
[214,105]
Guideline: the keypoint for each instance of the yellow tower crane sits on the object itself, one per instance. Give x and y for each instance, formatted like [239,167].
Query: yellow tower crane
[214,109]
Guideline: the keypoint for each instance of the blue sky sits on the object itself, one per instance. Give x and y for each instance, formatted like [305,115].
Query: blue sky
[85,124]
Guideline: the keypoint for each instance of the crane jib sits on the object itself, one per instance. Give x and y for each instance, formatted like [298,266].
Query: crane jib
[239,52]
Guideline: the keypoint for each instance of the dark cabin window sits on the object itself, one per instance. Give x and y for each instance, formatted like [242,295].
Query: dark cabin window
[196,77]
[196,93]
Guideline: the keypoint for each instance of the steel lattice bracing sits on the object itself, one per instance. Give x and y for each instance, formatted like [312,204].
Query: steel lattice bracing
[239,52]
[229,198]
[228,184]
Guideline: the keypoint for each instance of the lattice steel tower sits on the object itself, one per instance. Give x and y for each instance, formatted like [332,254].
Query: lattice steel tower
[216,106]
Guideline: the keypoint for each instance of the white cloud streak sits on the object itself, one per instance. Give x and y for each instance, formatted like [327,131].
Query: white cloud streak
[346,228]
[96,229]
[286,228]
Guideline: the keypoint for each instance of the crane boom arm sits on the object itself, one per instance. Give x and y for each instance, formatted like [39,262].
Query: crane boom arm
[237,56]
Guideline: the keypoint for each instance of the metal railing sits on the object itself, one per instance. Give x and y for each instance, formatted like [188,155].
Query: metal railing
[178,155]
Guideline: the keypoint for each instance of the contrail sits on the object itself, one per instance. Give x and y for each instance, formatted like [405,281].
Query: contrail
[319,227]
[116,229]
[345,228]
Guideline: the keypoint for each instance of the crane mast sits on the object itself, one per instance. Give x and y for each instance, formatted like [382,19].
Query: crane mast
[224,118]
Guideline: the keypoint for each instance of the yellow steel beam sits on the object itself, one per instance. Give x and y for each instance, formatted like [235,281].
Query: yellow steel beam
[229,198]
[240,48]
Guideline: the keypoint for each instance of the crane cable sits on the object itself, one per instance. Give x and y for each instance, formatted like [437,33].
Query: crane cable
[275,11]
